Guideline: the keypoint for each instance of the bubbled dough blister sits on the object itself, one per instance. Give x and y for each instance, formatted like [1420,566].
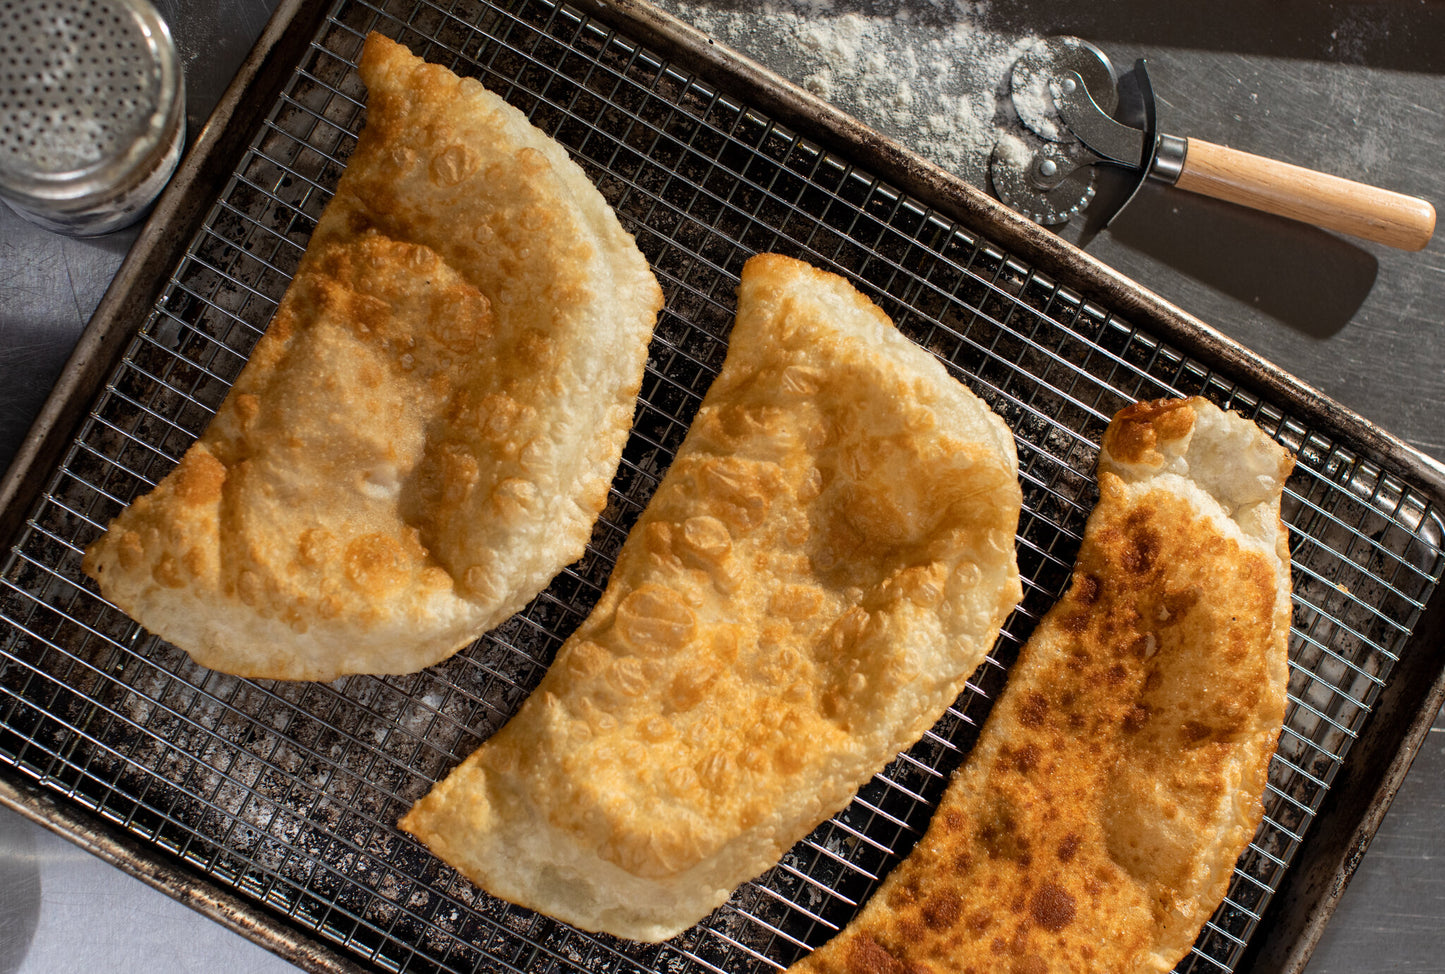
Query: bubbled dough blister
[828,558]
[426,433]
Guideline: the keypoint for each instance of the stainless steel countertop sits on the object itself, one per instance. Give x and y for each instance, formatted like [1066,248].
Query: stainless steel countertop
[1357,89]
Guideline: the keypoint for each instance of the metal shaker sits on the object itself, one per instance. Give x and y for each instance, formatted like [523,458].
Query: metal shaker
[92,111]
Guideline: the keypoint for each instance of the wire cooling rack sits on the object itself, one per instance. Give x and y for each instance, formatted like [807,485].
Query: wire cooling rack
[288,792]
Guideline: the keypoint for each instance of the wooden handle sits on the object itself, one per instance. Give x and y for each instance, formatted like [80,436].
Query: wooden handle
[1303,194]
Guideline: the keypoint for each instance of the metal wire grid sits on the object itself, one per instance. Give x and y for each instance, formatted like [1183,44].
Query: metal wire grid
[289,791]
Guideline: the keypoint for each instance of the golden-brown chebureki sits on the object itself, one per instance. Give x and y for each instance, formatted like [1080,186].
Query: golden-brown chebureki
[427,431]
[1095,825]
[828,558]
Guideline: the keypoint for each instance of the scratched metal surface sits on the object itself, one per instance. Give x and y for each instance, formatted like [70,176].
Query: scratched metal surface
[1357,89]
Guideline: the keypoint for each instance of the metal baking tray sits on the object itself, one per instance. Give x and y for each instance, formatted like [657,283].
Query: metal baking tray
[271,806]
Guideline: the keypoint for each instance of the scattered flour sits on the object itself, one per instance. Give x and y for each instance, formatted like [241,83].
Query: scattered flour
[927,73]
[1015,150]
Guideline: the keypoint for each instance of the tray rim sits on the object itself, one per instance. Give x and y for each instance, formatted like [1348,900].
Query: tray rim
[1356,802]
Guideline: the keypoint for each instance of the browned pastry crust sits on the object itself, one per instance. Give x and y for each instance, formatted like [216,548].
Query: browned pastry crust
[1095,825]
[828,558]
[426,433]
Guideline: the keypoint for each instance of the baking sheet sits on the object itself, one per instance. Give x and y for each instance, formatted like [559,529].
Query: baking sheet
[287,792]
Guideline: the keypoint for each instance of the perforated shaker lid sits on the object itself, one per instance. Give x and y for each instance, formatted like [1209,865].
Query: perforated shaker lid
[90,90]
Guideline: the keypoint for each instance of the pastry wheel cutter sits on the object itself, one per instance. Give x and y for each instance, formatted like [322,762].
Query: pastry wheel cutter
[1065,90]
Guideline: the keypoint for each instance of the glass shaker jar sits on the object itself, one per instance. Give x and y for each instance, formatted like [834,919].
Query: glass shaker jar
[92,111]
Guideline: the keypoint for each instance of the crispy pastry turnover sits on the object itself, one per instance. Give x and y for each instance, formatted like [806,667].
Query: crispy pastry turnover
[826,561]
[427,431]
[1097,821]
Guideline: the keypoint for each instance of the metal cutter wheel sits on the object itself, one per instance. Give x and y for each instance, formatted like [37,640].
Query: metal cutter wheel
[1051,182]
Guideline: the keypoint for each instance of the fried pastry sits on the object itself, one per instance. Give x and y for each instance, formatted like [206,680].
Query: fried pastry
[1095,824]
[428,429]
[826,561]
